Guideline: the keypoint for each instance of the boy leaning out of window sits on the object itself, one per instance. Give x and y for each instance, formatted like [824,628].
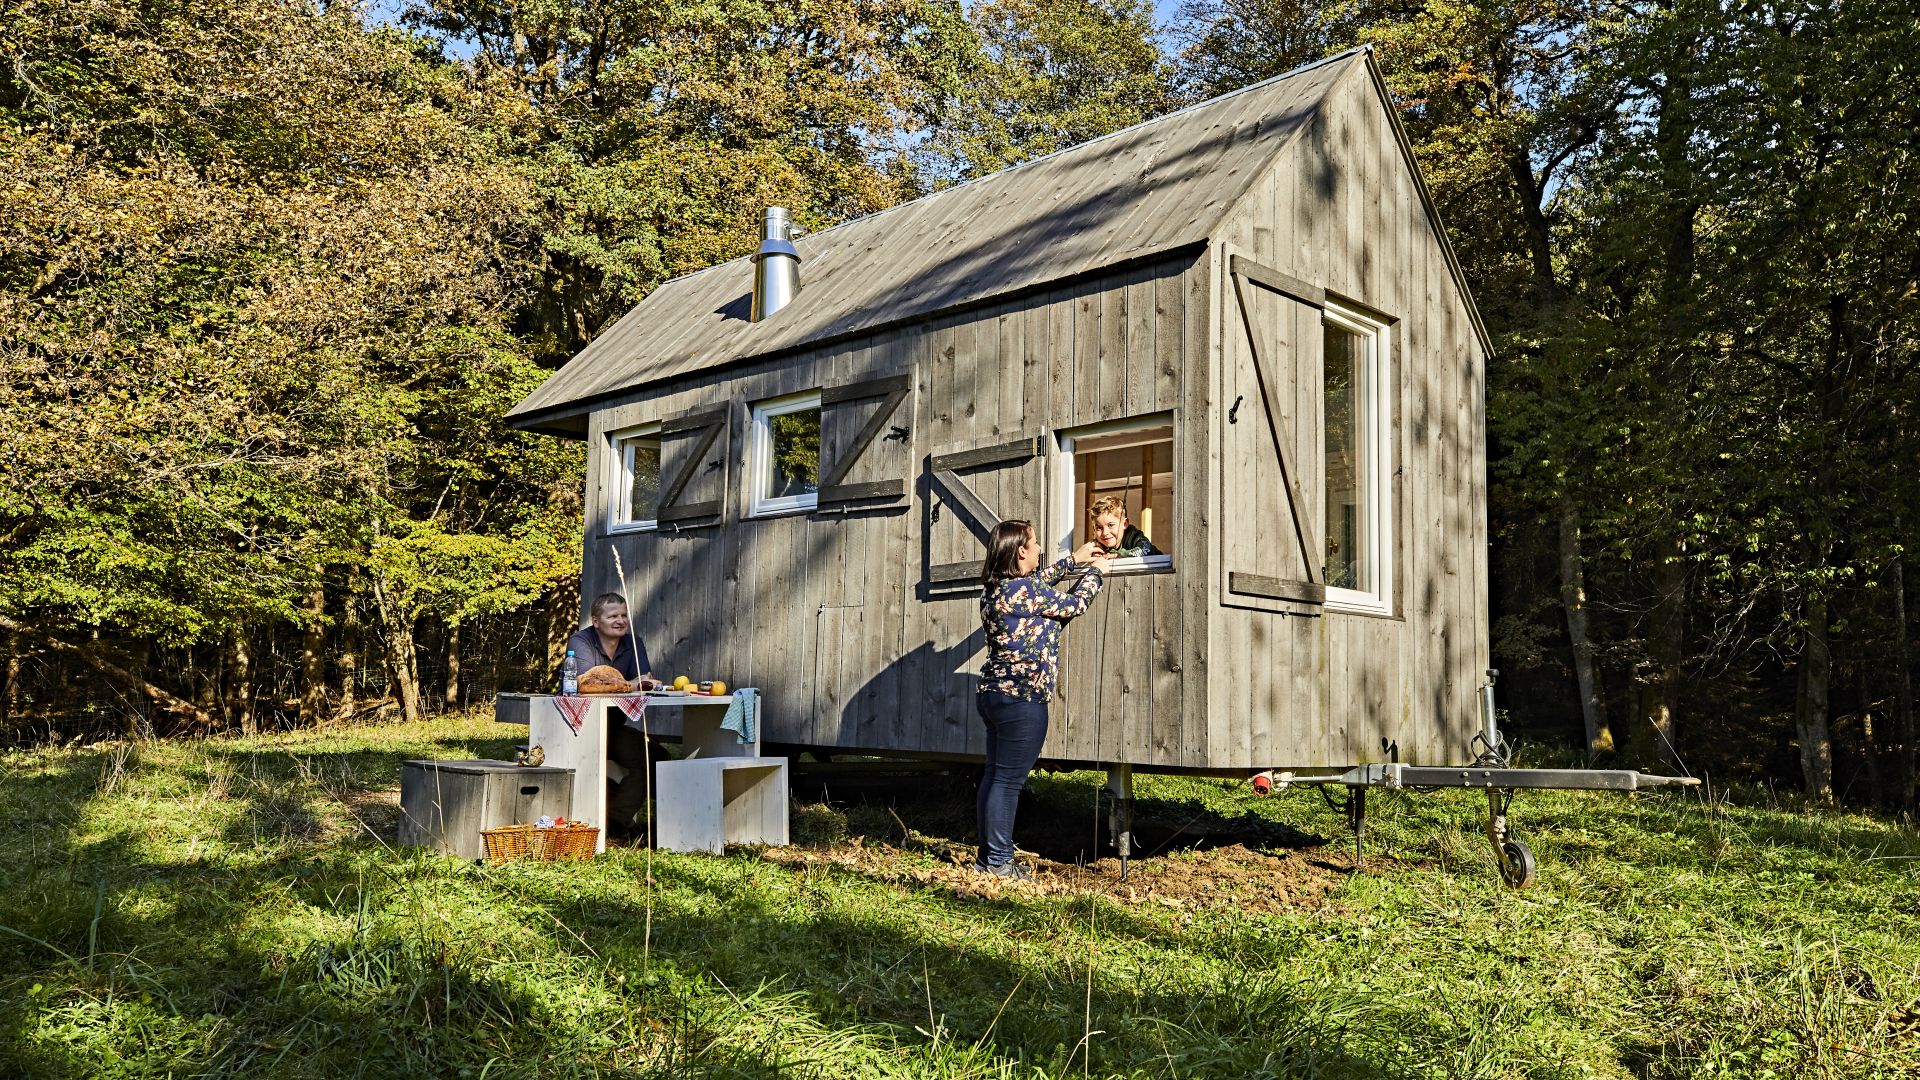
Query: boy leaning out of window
[1116,535]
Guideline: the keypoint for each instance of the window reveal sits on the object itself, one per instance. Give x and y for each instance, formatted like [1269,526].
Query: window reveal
[635,486]
[786,454]
[1357,420]
[1125,466]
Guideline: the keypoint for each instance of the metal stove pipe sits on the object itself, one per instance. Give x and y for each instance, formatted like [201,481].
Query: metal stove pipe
[776,266]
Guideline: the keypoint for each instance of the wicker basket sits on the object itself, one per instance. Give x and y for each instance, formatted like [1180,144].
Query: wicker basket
[528,842]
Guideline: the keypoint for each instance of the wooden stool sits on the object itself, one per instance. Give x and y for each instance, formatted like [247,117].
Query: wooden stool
[706,803]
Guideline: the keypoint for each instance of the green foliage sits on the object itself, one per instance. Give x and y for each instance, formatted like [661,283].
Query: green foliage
[253,316]
[656,131]
[1046,76]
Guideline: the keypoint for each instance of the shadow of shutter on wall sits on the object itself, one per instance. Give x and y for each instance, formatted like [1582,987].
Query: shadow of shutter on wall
[853,419]
[1275,400]
[949,488]
[693,462]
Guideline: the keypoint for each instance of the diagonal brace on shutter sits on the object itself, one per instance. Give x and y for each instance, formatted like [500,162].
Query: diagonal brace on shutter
[708,422]
[832,489]
[1242,270]
[954,491]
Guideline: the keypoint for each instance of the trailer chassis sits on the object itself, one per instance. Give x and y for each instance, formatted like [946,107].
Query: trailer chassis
[1491,770]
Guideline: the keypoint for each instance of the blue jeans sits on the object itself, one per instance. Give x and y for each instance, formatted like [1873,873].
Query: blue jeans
[1016,728]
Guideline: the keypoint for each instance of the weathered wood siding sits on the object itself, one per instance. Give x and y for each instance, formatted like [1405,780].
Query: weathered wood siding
[831,614]
[837,618]
[1341,212]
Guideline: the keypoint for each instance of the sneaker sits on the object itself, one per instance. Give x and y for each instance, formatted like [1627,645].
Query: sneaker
[1006,871]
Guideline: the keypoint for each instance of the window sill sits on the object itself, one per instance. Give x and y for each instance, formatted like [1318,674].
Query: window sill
[1370,611]
[1151,564]
[625,527]
[779,511]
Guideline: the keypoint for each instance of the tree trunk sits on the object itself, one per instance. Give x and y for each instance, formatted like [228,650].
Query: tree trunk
[1810,705]
[452,699]
[403,666]
[92,658]
[10,698]
[1573,597]
[313,661]
[1652,743]
[239,685]
[1903,733]
[349,647]
[563,618]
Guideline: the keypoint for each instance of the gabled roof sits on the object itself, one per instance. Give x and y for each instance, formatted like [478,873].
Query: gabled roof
[1145,191]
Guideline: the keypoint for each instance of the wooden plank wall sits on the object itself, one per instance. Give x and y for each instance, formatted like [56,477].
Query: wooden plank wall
[1341,212]
[830,615]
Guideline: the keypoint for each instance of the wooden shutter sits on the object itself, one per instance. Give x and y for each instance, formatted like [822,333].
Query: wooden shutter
[866,442]
[693,467]
[1271,444]
[962,489]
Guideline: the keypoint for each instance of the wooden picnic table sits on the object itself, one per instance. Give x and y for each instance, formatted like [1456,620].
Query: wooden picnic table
[573,732]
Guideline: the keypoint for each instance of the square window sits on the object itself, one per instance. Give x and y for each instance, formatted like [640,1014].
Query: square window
[634,478]
[1358,422]
[786,455]
[1117,491]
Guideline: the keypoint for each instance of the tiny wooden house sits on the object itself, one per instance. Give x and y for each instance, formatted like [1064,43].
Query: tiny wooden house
[1243,319]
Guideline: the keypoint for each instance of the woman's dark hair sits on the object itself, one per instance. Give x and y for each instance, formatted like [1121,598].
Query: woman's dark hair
[603,601]
[1003,552]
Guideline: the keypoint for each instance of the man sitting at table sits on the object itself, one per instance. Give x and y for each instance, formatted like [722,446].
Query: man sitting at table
[610,640]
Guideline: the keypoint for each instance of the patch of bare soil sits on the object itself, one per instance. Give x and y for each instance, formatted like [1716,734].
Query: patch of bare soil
[1232,876]
[375,813]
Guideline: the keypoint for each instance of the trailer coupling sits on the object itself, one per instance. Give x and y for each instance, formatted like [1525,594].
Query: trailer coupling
[1500,782]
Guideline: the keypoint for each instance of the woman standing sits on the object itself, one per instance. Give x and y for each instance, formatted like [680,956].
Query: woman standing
[1023,615]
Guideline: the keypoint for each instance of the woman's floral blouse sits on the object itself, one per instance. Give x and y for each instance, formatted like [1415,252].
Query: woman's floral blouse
[1023,617]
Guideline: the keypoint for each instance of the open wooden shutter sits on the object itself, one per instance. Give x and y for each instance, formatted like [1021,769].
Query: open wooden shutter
[693,467]
[963,489]
[1271,445]
[858,463]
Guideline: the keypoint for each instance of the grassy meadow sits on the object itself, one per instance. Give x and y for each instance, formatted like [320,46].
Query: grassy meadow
[236,907]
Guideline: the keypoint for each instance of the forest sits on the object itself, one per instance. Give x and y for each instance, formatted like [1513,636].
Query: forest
[271,271]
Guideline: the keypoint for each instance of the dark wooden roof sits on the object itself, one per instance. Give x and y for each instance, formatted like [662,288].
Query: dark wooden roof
[1149,190]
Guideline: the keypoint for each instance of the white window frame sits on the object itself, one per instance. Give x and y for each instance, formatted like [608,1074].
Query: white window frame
[1068,512]
[620,475]
[1373,408]
[760,458]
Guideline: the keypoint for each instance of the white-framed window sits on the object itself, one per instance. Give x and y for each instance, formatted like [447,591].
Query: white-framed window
[784,462]
[633,478]
[1123,470]
[1358,421]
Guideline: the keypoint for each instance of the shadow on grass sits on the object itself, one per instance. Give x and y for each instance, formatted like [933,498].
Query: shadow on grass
[290,954]
[128,953]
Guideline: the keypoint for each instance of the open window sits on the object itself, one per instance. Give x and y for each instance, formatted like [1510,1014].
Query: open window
[1117,490]
[1357,378]
[633,479]
[784,464]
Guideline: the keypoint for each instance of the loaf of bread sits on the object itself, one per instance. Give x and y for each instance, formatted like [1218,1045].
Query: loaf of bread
[604,679]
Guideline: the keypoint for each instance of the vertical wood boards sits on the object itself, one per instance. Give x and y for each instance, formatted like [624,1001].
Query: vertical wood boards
[1340,211]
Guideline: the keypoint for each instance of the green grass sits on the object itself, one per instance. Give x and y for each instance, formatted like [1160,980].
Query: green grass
[234,908]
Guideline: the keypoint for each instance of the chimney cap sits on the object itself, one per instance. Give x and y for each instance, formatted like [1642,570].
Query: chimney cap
[776,234]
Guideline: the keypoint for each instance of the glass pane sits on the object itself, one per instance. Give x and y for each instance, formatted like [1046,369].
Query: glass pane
[1140,477]
[1346,521]
[643,471]
[796,453]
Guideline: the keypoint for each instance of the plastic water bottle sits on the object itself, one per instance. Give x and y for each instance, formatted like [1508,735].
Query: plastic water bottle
[570,676]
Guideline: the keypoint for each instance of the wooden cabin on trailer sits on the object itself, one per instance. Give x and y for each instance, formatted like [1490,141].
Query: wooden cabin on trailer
[1243,319]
